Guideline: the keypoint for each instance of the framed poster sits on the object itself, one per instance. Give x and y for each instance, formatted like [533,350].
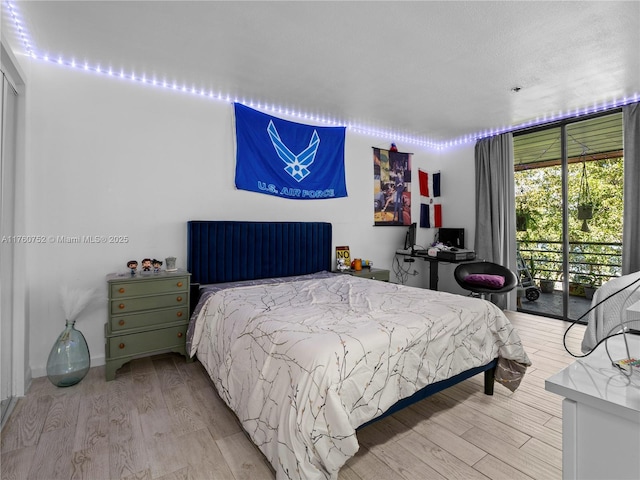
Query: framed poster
[391,188]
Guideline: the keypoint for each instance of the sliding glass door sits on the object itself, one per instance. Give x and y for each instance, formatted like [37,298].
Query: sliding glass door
[539,216]
[568,181]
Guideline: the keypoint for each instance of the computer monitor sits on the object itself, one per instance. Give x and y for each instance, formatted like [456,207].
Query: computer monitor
[451,237]
[410,238]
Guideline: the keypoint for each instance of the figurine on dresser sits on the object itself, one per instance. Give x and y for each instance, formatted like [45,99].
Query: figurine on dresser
[132,265]
[146,265]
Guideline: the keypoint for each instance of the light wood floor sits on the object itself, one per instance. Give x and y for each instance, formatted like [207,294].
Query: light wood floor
[162,419]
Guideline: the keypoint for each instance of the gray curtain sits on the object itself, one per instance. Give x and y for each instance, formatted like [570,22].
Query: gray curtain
[631,216]
[495,239]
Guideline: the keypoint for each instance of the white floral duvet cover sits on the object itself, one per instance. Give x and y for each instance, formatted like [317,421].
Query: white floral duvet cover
[304,363]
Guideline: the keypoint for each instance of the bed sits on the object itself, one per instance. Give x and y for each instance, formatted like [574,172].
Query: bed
[305,357]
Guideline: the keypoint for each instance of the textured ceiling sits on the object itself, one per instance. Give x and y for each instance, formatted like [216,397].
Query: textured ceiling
[435,70]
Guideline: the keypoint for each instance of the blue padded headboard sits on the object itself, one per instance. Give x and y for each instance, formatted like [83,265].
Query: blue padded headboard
[226,251]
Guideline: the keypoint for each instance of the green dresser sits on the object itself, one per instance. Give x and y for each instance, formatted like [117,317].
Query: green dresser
[148,314]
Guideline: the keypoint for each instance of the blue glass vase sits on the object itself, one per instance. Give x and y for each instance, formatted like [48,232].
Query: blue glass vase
[69,360]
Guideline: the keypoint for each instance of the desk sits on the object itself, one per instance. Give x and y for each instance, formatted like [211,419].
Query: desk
[433,265]
[600,415]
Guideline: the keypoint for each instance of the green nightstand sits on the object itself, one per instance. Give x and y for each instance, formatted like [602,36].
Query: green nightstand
[372,273]
[148,314]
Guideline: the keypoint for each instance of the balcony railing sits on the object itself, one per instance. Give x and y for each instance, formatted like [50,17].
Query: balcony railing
[590,263]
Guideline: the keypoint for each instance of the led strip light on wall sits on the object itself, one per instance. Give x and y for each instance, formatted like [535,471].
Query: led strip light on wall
[389,135]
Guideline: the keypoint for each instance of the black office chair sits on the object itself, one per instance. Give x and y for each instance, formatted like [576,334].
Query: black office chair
[482,286]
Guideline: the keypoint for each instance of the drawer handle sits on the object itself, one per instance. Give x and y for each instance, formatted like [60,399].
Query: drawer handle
[179,284]
[121,322]
[179,299]
[121,290]
[179,334]
[121,306]
[179,314]
[121,346]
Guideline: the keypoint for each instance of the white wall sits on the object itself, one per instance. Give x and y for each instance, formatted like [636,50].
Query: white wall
[458,204]
[107,157]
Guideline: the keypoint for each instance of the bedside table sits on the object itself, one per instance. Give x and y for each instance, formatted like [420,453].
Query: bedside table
[148,313]
[372,273]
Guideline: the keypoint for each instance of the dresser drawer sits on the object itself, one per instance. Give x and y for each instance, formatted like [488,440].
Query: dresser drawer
[148,287]
[146,319]
[127,305]
[145,342]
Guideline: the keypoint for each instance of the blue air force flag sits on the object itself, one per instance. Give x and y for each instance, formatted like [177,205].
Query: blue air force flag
[288,159]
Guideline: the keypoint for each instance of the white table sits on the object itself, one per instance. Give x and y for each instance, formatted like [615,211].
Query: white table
[600,415]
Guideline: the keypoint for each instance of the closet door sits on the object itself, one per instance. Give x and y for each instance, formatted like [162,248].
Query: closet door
[8,125]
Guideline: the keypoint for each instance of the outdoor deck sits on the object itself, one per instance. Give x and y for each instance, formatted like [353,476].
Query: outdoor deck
[551,304]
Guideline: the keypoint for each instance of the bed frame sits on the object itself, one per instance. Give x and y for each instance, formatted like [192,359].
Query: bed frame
[228,251]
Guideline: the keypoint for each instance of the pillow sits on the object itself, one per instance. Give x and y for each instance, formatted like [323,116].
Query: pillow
[485,279]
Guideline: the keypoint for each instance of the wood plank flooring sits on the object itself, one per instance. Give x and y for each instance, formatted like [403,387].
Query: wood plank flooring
[161,419]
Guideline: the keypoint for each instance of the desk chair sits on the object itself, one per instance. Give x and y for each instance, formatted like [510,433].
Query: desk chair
[482,278]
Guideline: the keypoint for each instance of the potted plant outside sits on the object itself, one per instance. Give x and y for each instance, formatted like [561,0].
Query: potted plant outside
[576,289]
[525,219]
[522,221]
[589,285]
[589,291]
[547,281]
[585,211]
[585,205]
[524,213]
